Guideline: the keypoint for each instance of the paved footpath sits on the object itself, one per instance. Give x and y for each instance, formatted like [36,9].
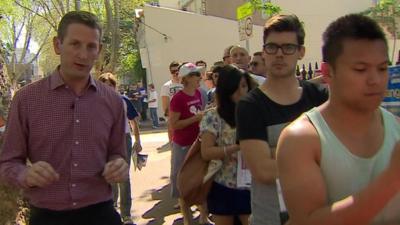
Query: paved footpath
[152,203]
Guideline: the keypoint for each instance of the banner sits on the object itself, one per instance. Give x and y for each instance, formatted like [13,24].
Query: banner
[391,102]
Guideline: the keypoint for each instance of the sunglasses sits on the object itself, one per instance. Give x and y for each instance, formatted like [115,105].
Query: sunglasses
[215,75]
[254,64]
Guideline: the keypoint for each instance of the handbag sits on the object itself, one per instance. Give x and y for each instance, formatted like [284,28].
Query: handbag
[194,177]
[190,183]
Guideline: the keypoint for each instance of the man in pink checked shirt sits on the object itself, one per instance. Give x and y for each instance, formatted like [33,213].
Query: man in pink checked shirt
[65,139]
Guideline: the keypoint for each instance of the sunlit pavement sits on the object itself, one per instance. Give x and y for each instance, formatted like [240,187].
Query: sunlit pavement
[152,203]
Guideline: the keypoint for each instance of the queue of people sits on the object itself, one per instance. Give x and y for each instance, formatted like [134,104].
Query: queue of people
[311,154]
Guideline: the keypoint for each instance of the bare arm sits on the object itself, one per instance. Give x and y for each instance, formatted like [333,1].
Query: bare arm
[210,151]
[165,104]
[305,191]
[256,154]
[137,146]
[177,124]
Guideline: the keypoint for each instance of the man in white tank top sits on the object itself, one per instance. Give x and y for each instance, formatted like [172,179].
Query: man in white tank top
[340,163]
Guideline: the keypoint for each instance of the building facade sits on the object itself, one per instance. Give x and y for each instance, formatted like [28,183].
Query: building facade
[190,30]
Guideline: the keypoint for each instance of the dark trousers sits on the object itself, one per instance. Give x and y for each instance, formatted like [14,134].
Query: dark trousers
[98,214]
[123,189]
[143,112]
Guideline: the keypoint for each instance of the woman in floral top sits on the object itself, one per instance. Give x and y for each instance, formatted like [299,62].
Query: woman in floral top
[218,135]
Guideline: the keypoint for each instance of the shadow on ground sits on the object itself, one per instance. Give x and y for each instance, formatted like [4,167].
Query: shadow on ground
[163,208]
[164,148]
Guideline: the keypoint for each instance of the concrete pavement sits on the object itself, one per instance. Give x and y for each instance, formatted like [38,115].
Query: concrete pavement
[152,203]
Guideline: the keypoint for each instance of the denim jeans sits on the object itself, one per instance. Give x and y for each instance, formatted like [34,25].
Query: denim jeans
[154,116]
[123,190]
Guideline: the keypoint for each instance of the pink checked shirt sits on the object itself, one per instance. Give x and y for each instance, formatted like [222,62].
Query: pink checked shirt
[76,135]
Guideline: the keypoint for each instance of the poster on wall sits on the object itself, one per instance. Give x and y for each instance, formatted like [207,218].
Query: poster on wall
[392,98]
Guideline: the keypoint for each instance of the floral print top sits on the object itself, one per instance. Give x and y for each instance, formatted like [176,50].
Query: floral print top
[225,136]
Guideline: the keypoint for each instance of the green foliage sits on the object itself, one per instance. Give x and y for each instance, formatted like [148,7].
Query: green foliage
[267,7]
[387,13]
[8,204]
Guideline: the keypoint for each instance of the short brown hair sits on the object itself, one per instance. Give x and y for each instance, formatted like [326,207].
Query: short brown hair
[258,54]
[227,51]
[349,27]
[285,23]
[200,62]
[108,77]
[80,17]
[174,64]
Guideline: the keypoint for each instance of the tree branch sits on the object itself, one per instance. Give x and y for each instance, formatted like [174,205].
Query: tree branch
[58,11]
[41,47]
[48,12]
[38,14]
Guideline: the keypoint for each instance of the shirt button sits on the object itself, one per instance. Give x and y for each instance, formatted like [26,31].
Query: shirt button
[73,185]
[77,121]
[77,142]
[74,204]
[75,164]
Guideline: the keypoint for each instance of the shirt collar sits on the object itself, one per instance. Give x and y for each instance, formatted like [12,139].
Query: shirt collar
[56,80]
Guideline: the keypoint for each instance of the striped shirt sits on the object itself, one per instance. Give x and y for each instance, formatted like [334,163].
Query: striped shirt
[76,135]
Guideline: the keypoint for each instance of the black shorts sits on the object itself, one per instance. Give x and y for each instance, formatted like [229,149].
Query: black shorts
[228,201]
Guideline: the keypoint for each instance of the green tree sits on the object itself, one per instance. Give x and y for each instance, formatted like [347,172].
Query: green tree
[266,7]
[387,14]
[23,22]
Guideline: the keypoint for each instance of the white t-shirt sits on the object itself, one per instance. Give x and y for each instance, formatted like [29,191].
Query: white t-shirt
[170,88]
[153,96]
[259,79]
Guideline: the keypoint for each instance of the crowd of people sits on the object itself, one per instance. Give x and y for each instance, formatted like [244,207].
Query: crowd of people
[316,155]
[145,101]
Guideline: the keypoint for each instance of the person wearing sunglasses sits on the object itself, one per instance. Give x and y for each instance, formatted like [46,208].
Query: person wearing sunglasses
[265,111]
[241,59]
[168,90]
[185,114]
[257,65]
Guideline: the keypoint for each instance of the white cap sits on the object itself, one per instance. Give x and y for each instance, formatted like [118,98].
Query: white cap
[187,69]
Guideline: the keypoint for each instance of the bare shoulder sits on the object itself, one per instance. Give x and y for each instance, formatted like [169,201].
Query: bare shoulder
[299,138]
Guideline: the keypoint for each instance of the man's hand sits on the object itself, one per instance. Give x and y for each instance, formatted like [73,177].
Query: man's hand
[40,174]
[116,171]
[137,147]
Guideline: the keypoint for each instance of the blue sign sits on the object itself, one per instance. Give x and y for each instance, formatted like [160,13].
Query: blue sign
[392,98]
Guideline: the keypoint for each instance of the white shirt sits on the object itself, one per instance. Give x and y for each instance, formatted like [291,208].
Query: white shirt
[170,88]
[153,96]
[259,79]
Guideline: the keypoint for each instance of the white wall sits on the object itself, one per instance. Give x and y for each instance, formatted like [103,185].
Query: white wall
[173,4]
[191,37]
[317,15]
